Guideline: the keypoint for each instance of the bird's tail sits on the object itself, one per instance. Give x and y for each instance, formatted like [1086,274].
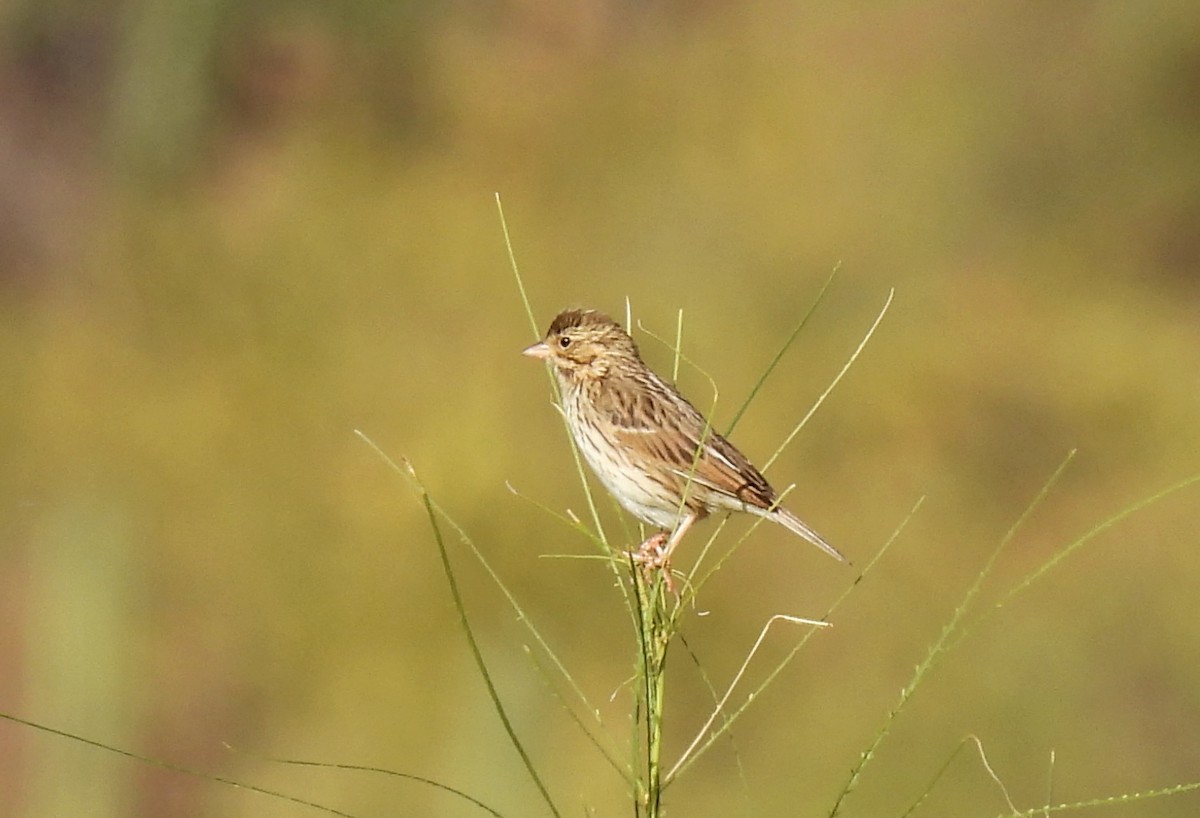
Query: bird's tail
[797,526]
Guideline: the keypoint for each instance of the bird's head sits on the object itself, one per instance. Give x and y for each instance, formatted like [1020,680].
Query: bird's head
[585,344]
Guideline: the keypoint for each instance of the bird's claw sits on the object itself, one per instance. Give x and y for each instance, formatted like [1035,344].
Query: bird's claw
[652,556]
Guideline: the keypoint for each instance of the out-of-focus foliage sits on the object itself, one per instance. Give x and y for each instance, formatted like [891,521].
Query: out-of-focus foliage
[232,233]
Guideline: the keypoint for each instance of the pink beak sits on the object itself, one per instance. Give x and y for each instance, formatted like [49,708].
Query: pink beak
[538,350]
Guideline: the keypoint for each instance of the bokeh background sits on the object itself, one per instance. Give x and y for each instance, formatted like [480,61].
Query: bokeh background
[233,233]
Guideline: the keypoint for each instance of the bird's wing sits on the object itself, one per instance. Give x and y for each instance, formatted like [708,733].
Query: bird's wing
[661,430]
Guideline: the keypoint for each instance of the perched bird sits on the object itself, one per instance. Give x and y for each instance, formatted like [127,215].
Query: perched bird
[648,445]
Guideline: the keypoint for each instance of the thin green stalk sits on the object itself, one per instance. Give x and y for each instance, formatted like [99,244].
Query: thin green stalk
[433,512]
[711,687]
[1112,800]
[678,347]
[1095,531]
[362,768]
[477,654]
[719,709]
[512,258]
[1049,787]
[783,349]
[734,715]
[654,636]
[569,520]
[933,782]
[409,474]
[728,553]
[940,646]
[646,790]
[600,536]
[176,768]
[624,770]
[1046,809]
[652,662]
[837,379]
[942,771]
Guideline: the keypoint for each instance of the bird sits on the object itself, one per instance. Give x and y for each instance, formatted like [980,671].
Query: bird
[648,445]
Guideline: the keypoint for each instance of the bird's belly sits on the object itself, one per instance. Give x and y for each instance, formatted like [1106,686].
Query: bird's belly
[635,490]
[648,508]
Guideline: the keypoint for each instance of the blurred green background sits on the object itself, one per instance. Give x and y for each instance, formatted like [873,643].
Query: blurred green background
[232,233]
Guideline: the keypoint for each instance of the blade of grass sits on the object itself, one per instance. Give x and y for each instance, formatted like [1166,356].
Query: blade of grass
[569,520]
[600,536]
[175,768]
[1112,800]
[678,347]
[787,660]
[575,455]
[654,637]
[837,379]
[737,677]
[1049,786]
[743,779]
[987,765]
[324,765]
[1104,525]
[940,646]
[409,476]
[476,653]
[512,258]
[1095,531]
[677,351]
[623,770]
[783,349]
[695,584]
[934,781]
[946,766]
[728,553]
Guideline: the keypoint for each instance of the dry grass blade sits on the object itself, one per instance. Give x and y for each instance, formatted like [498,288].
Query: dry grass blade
[737,677]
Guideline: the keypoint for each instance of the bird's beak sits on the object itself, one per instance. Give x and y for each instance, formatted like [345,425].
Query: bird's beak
[538,350]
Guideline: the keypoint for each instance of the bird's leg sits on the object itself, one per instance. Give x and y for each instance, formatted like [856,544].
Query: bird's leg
[656,551]
[680,530]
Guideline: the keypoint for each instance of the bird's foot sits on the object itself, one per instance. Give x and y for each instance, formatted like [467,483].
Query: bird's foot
[652,556]
[653,552]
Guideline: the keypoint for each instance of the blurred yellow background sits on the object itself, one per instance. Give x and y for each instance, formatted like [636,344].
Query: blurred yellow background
[232,234]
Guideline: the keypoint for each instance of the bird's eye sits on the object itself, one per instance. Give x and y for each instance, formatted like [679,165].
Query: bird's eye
[564,342]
